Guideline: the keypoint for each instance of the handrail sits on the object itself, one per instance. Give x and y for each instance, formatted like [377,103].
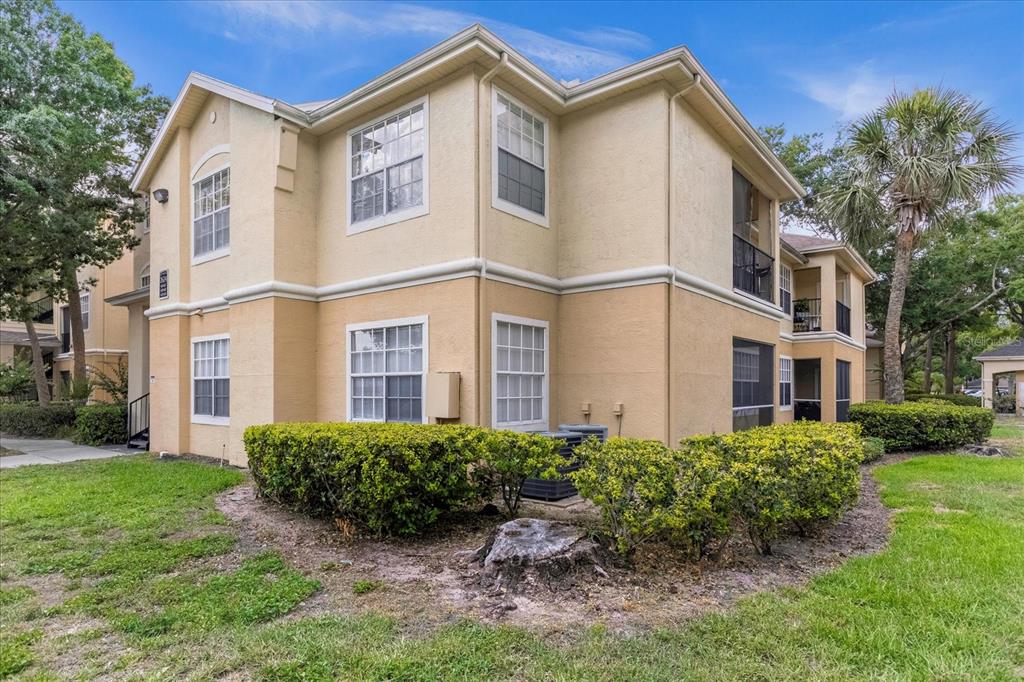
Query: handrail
[807,315]
[138,417]
[842,318]
[752,269]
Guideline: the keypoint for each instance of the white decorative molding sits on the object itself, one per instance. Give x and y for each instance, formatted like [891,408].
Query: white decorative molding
[475,267]
[815,337]
[210,153]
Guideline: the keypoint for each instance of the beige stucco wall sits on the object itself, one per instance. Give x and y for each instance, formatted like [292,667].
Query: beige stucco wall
[829,352]
[989,368]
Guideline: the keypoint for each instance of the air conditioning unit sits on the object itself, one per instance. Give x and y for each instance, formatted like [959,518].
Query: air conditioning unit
[553,489]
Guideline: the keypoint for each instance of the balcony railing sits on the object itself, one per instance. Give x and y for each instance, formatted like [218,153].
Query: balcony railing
[842,318]
[807,315]
[42,310]
[752,269]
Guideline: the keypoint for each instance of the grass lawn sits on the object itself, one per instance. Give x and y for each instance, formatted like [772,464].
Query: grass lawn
[121,568]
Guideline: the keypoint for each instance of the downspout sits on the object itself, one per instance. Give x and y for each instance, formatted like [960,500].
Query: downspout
[668,252]
[483,183]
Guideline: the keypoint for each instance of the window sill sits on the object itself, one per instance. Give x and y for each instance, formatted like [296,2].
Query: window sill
[385,220]
[210,421]
[786,408]
[519,212]
[755,297]
[212,255]
[525,427]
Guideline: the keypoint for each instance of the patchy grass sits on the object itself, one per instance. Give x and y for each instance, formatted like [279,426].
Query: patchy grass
[1008,432]
[366,586]
[943,601]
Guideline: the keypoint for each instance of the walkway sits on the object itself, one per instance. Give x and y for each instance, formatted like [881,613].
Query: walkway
[53,452]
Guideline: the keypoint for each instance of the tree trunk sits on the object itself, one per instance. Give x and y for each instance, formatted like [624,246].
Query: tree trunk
[928,366]
[77,332]
[897,292]
[950,358]
[38,371]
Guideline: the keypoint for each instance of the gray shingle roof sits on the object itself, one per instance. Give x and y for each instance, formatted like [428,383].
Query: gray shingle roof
[1010,350]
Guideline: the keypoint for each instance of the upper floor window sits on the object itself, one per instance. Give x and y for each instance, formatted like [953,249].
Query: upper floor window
[211,220]
[519,176]
[144,278]
[786,288]
[752,267]
[145,214]
[84,298]
[388,164]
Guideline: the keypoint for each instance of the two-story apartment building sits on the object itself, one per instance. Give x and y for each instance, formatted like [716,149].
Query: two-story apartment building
[467,239]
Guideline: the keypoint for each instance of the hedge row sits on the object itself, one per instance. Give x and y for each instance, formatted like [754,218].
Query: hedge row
[923,425]
[771,478]
[97,424]
[953,398]
[393,478]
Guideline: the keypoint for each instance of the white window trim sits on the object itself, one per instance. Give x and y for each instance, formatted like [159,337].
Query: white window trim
[508,206]
[209,255]
[144,272]
[86,309]
[397,216]
[792,276]
[204,418]
[792,370]
[533,425]
[398,322]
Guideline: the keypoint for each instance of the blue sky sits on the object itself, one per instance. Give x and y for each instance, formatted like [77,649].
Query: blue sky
[811,66]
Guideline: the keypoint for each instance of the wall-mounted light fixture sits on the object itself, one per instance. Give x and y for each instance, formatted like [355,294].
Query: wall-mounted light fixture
[161,195]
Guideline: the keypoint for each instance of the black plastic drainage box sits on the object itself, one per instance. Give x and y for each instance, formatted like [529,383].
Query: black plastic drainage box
[560,488]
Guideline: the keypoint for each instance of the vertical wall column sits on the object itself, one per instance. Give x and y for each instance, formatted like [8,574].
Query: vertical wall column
[170,392]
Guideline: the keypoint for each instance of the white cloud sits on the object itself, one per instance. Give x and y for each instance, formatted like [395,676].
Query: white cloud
[851,92]
[303,24]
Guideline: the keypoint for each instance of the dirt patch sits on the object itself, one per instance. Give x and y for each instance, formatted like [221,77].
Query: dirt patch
[436,578]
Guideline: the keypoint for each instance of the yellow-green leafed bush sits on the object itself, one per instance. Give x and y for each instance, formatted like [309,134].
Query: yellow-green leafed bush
[704,491]
[923,425]
[874,448]
[391,478]
[631,481]
[512,458]
[792,475]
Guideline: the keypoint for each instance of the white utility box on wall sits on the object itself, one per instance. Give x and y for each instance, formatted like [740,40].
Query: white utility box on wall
[443,395]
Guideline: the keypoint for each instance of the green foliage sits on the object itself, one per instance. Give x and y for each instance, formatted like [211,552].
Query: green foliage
[874,448]
[921,425]
[771,477]
[101,424]
[792,475]
[1004,404]
[113,381]
[366,586]
[952,398]
[631,481]
[30,420]
[513,457]
[16,653]
[813,163]
[16,378]
[391,478]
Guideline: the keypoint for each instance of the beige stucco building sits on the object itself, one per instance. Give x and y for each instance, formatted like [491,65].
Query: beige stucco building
[467,239]
[1002,373]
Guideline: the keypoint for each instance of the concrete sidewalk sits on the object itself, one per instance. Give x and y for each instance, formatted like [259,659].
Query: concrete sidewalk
[54,452]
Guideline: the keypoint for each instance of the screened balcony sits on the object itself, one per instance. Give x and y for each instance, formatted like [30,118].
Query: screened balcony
[753,270]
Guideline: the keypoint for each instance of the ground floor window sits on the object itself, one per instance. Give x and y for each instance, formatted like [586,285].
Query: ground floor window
[387,361]
[785,383]
[842,390]
[520,372]
[753,372]
[211,379]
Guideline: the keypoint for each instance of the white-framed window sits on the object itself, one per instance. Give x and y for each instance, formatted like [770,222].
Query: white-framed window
[145,219]
[519,374]
[519,159]
[211,215]
[785,383]
[786,289]
[387,366]
[211,379]
[85,299]
[388,168]
[144,277]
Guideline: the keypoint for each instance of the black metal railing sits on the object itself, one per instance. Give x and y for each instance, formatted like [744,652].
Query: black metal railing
[807,315]
[752,269]
[138,419]
[42,310]
[842,318]
[65,342]
[807,409]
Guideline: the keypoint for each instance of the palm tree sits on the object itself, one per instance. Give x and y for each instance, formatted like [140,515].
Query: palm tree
[912,163]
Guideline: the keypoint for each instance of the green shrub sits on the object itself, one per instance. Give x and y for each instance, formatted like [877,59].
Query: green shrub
[391,478]
[792,475]
[922,426]
[30,420]
[513,457]
[704,496]
[874,448]
[16,380]
[1004,404]
[101,424]
[953,398]
[631,481]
